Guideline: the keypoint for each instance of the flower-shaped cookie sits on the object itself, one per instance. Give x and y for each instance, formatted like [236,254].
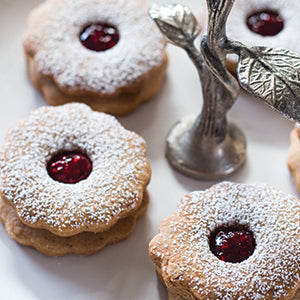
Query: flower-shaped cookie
[107,54]
[194,248]
[262,23]
[115,185]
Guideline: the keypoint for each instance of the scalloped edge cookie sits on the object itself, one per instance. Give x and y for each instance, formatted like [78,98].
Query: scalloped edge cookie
[85,243]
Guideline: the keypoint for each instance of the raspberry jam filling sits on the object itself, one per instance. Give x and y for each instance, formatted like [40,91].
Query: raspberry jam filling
[69,167]
[265,23]
[99,37]
[232,244]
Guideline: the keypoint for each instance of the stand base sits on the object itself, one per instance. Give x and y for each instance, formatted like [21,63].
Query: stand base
[205,158]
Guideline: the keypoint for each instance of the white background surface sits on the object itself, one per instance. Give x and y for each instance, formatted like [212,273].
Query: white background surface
[124,270]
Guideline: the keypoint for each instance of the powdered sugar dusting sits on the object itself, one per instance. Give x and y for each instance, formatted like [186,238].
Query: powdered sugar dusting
[287,38]
[114,188]
[53,33]
[272,272]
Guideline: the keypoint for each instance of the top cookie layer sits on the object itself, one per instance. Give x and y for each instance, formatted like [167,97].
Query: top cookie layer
[52,38]
[113,190]
[191,270]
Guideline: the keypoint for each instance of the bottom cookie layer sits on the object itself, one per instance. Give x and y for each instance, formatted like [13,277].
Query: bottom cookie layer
[85,243]
[122,102]
[175,296]
[172,295]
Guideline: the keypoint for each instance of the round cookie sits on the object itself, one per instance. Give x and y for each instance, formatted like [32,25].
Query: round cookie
[293,160]
[184,250]
[115,80]
[113,190]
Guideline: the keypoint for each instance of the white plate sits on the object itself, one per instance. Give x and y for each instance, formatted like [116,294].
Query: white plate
[124,270]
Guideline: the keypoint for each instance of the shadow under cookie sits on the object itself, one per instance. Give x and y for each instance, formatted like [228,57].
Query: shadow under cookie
[85,243]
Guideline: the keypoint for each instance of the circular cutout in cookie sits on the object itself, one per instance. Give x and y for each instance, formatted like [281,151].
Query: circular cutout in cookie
[265,22]
[232,244]
[69,167]
[99,37]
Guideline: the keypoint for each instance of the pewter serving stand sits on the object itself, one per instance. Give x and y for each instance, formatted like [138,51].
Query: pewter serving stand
[207,146]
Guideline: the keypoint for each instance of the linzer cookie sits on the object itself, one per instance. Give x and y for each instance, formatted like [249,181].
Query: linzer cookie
[232,241]
[262,23]
[293,160]
[107,54]
[72,180]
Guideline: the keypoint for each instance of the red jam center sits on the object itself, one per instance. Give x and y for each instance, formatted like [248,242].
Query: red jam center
[266,23]
[69,167]
[99,37]
[232,245]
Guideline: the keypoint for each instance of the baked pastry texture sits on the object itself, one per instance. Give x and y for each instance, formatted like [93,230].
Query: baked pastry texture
[293,159]
[44,196]
[85,243]
[193,251]
[107,54]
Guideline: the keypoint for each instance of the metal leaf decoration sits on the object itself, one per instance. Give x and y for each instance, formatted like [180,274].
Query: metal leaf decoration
[272,75]
[176,22]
